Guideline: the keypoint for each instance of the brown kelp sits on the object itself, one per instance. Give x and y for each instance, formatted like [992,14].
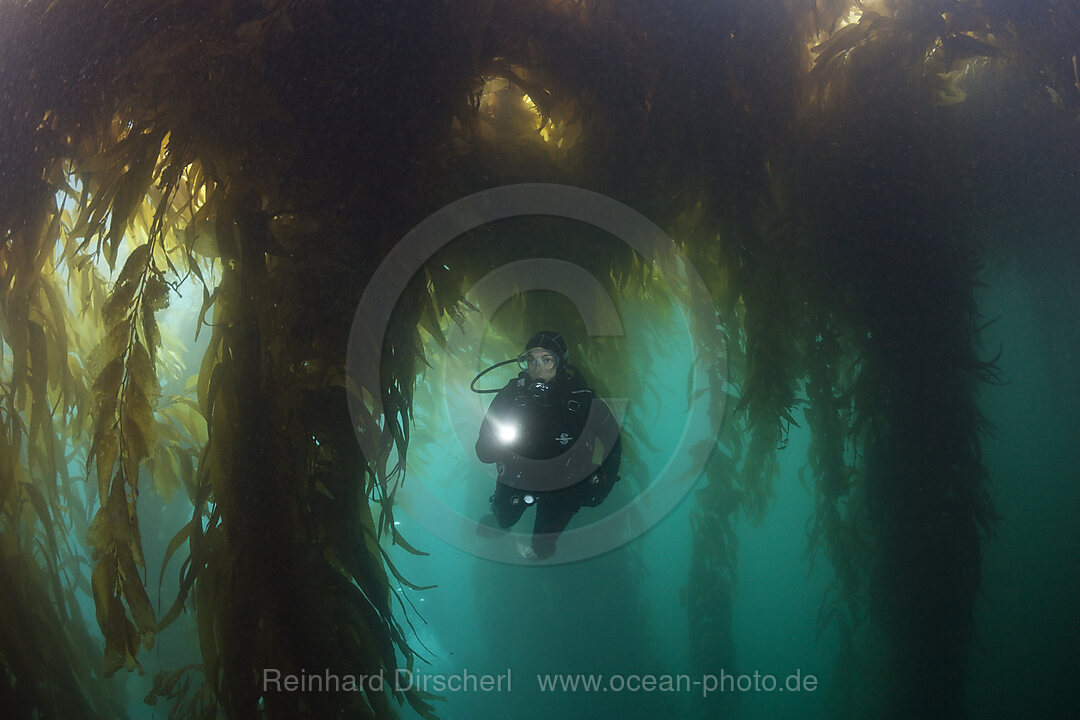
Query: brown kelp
[902,502]
[817,162]
[255,556]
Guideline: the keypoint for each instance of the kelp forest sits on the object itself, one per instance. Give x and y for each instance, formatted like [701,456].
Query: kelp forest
[835,171]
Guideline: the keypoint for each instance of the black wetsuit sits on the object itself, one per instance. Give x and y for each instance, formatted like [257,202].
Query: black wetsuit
[566,453]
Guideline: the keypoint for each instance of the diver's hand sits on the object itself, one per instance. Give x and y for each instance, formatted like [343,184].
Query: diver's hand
[597,487]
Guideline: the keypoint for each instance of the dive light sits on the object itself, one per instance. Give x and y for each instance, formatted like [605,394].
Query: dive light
[506,432]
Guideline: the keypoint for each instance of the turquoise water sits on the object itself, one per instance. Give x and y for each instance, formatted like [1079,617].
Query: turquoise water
[775,611]
[621,613]
[619,617]
[1025,657]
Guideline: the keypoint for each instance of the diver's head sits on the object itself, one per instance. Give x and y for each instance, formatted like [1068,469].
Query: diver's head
[545,354]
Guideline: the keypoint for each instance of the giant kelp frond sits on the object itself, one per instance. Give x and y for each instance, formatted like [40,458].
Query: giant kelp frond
[159,179]
[290,515]
[43,506]
[887,347]
[126,392]
[106,398]
[840,527]
[938,50]
[46,642]
[196,703]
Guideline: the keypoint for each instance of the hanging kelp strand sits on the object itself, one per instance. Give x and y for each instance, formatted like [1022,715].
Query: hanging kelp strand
[126,391]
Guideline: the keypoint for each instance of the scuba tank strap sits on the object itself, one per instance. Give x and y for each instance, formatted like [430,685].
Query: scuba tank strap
[580,399]
[578,395]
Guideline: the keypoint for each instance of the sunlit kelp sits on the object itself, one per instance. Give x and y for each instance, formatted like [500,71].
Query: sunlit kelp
[252,549]
[51,664]
[48,656]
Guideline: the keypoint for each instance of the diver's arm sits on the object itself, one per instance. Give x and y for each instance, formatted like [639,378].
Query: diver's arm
[595,489]
[486,444]
[610,466]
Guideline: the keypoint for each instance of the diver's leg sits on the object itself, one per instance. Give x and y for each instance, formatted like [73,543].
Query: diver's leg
[507,505]
[553,513]
[488,526]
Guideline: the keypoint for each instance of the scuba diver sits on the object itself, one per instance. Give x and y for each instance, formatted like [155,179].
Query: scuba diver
[555,445]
